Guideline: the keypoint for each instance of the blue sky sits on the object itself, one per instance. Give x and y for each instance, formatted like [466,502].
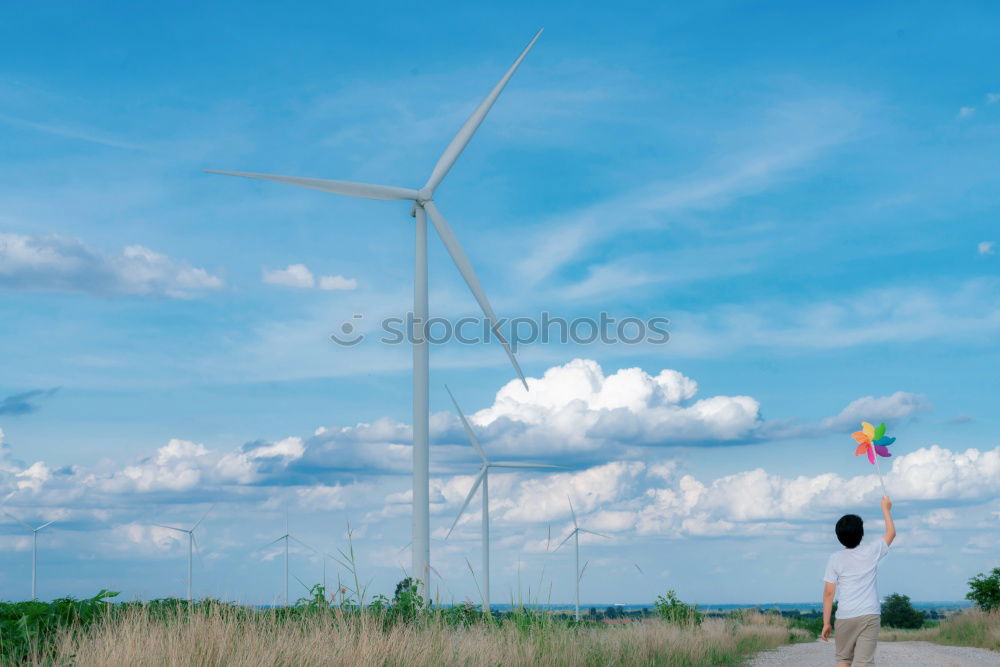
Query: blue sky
[808,193]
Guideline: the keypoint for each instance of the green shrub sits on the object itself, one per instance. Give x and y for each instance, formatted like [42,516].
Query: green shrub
[984,590]
[898,612]
[671,609]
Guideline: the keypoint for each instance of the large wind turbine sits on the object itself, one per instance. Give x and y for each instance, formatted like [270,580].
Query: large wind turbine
[423,206]
[484,480]
[191,545]
[576,544]
[34,548]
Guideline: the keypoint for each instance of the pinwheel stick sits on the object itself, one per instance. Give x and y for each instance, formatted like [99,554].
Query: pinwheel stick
[880,480]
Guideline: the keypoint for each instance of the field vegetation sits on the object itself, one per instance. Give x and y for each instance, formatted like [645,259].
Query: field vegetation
[402,630]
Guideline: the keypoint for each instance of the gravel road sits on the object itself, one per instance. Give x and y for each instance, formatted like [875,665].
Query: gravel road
[910,654]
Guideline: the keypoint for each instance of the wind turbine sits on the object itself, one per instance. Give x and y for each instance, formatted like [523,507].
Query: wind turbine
[191,545]
[484,480]
[34,548]
[286,537]
[576,543]
[422,207]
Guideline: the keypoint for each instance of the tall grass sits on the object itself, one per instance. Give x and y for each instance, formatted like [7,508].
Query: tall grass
[968,628]
[232,635]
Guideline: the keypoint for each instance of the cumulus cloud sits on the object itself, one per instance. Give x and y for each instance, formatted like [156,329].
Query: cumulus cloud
[987,248]
[576,407]
[755,500]
[299,276]
[337,282]
[59,264]
[966,112]
[889,409]
[296,275]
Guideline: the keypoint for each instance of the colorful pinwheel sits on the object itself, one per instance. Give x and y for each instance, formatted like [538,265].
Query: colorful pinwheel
[872,440]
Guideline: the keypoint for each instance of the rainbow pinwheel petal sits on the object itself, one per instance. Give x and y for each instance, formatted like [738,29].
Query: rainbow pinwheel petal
[871,456]
[882,451]
[862,448]
[879,431]
[868,430]
[861,438]
[885,441]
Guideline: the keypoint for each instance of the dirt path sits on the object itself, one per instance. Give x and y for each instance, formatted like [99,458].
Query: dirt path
[910,654]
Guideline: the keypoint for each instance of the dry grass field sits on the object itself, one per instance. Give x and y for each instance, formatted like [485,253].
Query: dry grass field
[236,636]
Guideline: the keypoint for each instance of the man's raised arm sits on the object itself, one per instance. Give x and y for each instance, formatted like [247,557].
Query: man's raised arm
[890,527]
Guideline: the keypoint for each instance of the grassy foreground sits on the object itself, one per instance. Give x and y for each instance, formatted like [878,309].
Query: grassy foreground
[975,627]
[221,634]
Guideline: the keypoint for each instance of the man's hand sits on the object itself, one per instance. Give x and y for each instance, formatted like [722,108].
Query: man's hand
[827,629]
[886,504]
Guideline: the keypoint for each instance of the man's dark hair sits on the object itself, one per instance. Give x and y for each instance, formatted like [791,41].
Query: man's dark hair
[850,530]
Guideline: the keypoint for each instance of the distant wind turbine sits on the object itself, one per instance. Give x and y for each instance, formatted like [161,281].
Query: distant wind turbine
[423,206]
[484,480]
[576,544]
[286,537]
[34,548]
[191,546]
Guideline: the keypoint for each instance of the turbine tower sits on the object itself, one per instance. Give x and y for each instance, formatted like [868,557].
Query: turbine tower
[422,207]
[191,545]
[576,544]
[484,480]
[34,549]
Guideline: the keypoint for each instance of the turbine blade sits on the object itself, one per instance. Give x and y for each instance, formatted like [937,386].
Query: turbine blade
[468,499]
[18,520]
[302,582]
[567,539]
[639,568]
[364,190]
[469,274]
[548,541]
[575,524]
[197,550]
[275,541]
[590,532]
[515,464]
[461,139]
[582,570]
[45,525]
[305,545]
[468,428]
[203,517]
[179,530]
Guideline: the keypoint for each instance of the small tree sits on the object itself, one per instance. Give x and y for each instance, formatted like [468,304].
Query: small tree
[671,609]
[898,612]
[984,590]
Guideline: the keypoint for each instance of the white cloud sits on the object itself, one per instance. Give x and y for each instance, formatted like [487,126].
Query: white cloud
[296,275]
[576,407]
[55,263]
[299,276]
[898,406]
[986,248]
[992,98]
[966,112]
[337,283]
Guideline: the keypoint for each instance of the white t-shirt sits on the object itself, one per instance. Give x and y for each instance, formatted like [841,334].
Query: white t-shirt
[853,570]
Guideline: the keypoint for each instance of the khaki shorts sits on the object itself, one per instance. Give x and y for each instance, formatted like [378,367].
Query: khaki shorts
[856,639]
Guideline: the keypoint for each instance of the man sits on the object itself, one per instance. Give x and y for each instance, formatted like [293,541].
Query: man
[853,570]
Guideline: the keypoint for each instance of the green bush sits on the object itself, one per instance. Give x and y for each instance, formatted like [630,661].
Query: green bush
[984,590]
[671,609]
[898,612]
